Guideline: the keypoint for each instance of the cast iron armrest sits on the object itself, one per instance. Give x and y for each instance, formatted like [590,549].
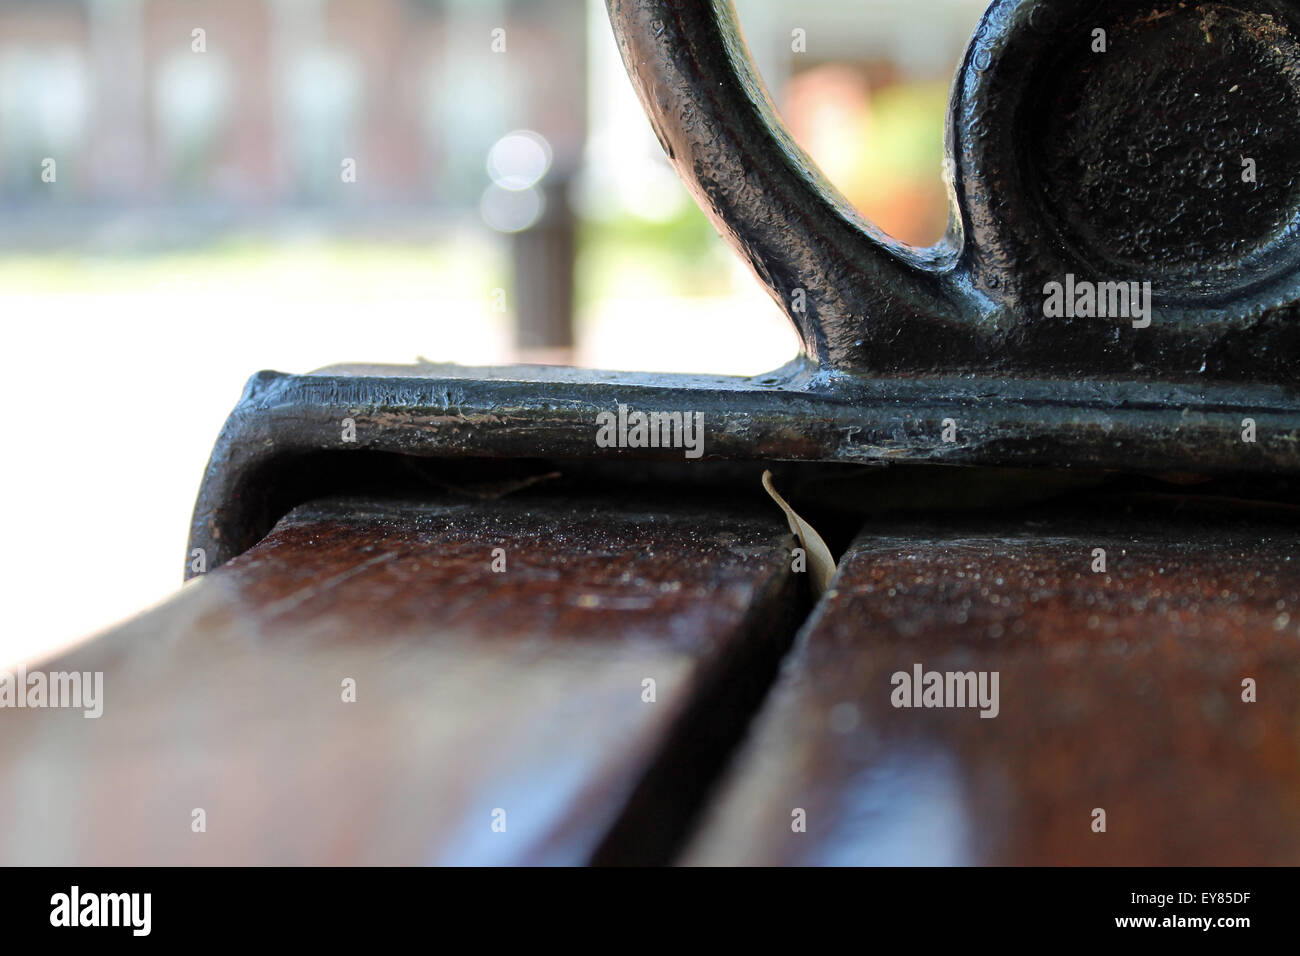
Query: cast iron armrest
[1118,162]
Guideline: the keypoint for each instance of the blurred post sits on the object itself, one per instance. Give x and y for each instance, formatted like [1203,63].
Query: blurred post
[544,255]
[543,258]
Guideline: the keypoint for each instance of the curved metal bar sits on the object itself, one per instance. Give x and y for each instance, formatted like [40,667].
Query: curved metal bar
[1052,177]
[849,290]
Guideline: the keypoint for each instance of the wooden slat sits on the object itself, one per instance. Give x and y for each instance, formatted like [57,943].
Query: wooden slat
[1120,691]
[476,690]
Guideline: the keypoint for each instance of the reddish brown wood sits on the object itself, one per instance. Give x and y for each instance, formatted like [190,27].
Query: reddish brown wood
[1120,691]
[475,690]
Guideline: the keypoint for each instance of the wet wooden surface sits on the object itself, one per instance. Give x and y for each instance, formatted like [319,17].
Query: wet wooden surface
[1119,691]
[476,690]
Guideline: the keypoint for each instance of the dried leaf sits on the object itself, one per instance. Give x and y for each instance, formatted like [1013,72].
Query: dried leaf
[821,564]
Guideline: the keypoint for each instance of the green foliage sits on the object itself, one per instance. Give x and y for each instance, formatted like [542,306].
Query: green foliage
[682,255]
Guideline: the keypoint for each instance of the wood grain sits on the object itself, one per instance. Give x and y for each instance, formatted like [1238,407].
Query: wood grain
[1119,690]
[475,690]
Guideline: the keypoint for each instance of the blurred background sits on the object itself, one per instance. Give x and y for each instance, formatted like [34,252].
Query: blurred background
[193,190]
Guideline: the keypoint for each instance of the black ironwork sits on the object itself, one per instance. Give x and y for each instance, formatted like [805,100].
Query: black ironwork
[1098,144]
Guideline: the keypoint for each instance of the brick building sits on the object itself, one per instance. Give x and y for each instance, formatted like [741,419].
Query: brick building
[255,102]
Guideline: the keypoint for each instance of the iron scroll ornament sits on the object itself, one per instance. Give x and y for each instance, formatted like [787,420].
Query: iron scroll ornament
[1118,166]
[1098,141]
